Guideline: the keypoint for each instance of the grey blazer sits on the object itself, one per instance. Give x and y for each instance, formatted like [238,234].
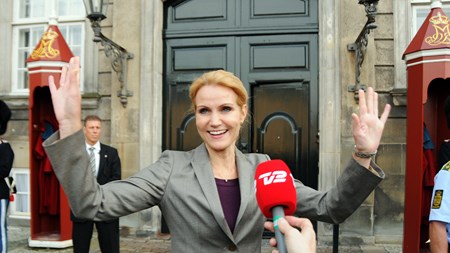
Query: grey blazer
[182,185]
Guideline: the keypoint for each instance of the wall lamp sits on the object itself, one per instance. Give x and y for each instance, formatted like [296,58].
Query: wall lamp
[119,56]
[360,45]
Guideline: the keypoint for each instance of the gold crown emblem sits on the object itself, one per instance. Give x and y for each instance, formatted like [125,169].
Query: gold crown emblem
[439,19]
[50,35]
[46,46]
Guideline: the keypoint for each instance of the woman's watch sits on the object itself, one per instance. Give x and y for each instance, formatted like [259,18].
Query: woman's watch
[364,155]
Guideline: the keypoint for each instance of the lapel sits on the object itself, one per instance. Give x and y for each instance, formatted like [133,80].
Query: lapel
[246,183]
[204,173]
[102,160]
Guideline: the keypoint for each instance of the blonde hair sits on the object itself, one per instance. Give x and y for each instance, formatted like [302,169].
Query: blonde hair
[223,78]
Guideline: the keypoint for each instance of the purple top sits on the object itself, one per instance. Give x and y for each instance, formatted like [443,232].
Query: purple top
[230,198]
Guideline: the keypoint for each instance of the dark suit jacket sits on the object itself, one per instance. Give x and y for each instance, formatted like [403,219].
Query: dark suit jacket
[182,184]
[6,162]
[109,170]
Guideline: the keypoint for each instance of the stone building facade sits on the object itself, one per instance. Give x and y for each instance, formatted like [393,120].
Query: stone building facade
[136,130]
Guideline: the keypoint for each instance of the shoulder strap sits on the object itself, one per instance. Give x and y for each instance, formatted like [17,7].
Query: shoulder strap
[446,166]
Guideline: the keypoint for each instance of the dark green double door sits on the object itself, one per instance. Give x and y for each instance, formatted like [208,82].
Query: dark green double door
[272,47]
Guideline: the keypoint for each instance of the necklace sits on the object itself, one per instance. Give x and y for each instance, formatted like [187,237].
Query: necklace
[223,175]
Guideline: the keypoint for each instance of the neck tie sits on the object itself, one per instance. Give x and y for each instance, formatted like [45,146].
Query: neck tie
[92,160]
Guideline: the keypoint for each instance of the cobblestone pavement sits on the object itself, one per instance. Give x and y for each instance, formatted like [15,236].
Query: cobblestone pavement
[129,243]
[154,243]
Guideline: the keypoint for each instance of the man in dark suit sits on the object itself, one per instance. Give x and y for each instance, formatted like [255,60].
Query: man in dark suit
[105,165]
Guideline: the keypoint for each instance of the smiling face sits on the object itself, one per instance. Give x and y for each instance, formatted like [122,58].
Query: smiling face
[218,117]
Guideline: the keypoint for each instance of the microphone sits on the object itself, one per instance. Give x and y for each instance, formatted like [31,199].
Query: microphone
[275,194]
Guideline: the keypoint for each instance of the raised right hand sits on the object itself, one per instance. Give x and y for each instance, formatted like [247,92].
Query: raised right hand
[67,98]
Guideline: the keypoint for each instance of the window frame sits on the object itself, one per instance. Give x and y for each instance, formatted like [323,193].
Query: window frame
[426,1]
[13,213]
[15,59]
[405,12]
[21,23]
[423,5]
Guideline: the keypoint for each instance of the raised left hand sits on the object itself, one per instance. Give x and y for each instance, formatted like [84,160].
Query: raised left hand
[367,126]
[67,98]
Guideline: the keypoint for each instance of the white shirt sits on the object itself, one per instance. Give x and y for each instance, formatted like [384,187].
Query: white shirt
[96,154]
[440,201]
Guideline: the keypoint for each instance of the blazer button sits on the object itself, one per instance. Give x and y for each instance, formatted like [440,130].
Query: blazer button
[232,247]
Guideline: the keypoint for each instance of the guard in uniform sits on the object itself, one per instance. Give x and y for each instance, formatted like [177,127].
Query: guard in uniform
[440,211]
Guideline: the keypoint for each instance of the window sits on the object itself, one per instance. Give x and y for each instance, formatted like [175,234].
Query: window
[20,207]
[415,12]
[28,38]
[421,9]
[31,19]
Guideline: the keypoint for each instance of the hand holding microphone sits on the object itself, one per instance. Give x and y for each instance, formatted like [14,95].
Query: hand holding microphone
[299,234]
[275,194]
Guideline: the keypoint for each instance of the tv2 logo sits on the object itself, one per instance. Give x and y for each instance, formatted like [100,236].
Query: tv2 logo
[278,176]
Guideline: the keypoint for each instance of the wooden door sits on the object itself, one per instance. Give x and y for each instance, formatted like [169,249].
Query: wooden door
[272,47]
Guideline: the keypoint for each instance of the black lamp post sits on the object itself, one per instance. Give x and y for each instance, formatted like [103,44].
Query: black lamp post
[119,56]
